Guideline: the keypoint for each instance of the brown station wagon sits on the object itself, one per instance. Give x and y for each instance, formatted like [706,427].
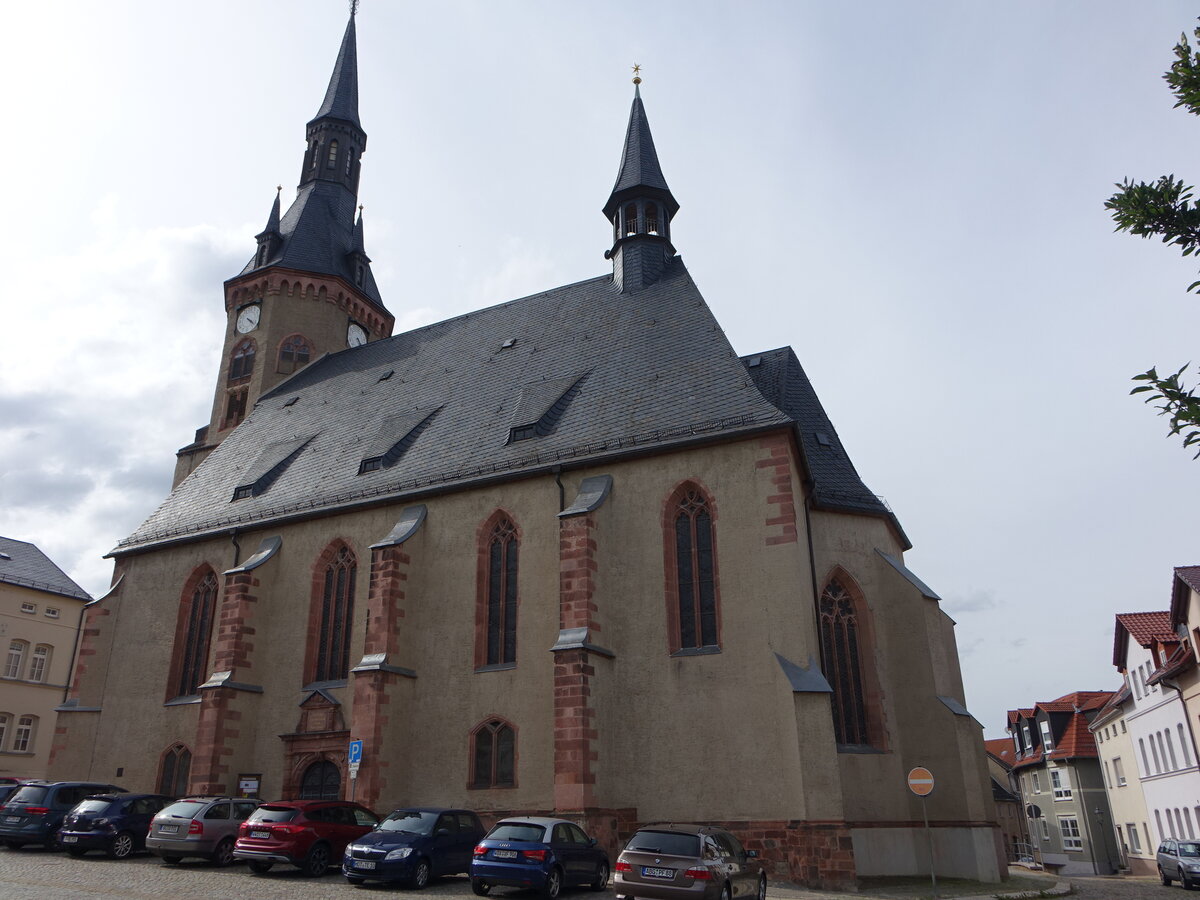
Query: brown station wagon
[688,862]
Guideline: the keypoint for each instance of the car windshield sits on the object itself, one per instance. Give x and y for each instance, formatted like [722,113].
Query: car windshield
[1189,849]
[184,809]
[92,806]
[32,794]
[517,831]
[665,842]
[411,821]
[273,814]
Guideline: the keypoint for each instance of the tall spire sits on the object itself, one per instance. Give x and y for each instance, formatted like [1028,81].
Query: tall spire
[335,135]
[341,97]
[640,206]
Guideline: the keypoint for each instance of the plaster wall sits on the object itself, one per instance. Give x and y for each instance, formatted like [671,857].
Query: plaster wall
[1126,801]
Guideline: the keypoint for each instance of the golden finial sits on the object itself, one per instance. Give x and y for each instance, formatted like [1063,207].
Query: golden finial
[360,209]
[637,78]
[279,188]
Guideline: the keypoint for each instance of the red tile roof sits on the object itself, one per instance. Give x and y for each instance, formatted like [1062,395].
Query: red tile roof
[1179,661]
[1075,740]
[1002,750]
[1143,627]
[1186,580]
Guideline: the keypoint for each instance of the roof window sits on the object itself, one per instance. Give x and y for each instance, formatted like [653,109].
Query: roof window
[268,466]
[509,344]
[541,405]
[388,374]
[823,439]
[29,608]
[51,612]
[395,435]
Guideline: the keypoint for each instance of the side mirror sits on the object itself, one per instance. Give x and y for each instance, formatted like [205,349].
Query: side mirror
[592,842]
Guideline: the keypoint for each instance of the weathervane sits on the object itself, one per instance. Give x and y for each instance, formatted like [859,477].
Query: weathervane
[353,7]
[637,78]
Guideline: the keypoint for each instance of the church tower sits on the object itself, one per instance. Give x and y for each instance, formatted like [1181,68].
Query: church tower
[640,208]
[308,290]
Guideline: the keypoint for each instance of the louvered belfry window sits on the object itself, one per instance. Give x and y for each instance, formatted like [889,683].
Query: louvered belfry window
[694,572]
[199,628]
[840,642]
[337,612]
[502,594]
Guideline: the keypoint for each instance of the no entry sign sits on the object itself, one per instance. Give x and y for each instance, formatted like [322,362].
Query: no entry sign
[920,781]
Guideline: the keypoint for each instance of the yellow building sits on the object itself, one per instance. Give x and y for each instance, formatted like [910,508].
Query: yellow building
[39,615]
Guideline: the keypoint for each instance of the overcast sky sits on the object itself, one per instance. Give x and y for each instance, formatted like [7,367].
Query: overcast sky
[910,195]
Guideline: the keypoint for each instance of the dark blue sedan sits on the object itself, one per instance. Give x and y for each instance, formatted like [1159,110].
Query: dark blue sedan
[414,845]
[543,854]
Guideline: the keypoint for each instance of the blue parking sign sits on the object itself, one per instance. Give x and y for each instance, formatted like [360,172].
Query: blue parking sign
[355,754]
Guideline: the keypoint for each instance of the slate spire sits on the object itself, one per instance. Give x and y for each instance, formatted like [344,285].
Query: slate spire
[270,238]
[341,97]
[335,136]
[640,207]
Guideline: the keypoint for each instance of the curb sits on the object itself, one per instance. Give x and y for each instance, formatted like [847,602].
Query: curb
[1060,889]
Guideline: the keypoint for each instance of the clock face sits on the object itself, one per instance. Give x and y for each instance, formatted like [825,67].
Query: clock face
[356,335]
[247,319]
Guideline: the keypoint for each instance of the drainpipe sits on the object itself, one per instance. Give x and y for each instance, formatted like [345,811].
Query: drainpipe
[562,497]
[237,548]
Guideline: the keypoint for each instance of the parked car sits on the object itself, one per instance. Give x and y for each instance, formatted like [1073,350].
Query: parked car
[306,833]
[414,845]
[1179,860]
[199,826]
[9,786]
[114,823]
[34,813]
[688,862]
[539,853]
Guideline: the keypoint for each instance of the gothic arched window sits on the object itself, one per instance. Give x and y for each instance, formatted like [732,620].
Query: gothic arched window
[294,354]
[691,571]
[841,641]
[241,363]
[499,594]
[321,781]
[631,219]
[493,755]
[175,771]
[197,618]
[335,613]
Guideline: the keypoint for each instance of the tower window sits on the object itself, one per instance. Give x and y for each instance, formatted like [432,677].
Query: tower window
[332,155]
[631,219]
[334,608]
[695,582]
[314,153]
[652,218]
[349,160]
[294,354]
[235,410]
[241,364]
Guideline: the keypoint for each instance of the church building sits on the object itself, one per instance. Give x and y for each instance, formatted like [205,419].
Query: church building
[569,555]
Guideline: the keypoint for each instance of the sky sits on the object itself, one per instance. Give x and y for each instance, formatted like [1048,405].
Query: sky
[910,195]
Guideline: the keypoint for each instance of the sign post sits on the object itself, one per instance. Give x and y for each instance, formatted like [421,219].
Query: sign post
[354,755]
[920,782]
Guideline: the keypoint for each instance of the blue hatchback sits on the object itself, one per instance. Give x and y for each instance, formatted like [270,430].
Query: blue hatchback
[543,854]
[414,845]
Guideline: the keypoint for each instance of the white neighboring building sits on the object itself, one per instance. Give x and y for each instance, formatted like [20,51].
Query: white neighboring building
[1163,744]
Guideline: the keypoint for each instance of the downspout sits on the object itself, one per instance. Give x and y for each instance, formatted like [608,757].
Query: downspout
[237,548]
[562,497]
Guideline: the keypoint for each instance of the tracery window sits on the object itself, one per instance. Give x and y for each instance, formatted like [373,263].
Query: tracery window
[294,354]
[336,614]
[176,769]
[840,641]
[501,593]
[198,616]
[692,565]
[493,755]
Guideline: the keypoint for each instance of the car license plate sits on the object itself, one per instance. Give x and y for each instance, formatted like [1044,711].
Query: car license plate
[504,854]
[70,838]
[11,819]
[168,829]
[364,864]
[651,872]
[260,834]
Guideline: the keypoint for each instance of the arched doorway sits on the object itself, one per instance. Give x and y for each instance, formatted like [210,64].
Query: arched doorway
[321,781]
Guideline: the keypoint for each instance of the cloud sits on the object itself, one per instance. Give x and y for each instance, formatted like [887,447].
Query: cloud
[974,601]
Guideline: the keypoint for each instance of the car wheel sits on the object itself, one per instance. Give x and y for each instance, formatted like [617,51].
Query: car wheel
[76,852]
[601,881]
[52,844]
[121,846]
[553,885]
[480,887]
[1164,877]
[1184,880]
[260,866]
[420,875]
[223,855]
[316,862]
[170,859]
[762,887]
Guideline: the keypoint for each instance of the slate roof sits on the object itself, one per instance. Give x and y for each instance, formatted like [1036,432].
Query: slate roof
[1185,580]
[341,97]
[659,373]
[24,564]
[639,162]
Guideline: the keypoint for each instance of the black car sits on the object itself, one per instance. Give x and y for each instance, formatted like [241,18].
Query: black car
[413,845]
[114,823]
[34,813]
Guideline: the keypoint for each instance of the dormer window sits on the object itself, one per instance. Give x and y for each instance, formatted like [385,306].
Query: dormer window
[1047,740]
[332,155]
[631,219]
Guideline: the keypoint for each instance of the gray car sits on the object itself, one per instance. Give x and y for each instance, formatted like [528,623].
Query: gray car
[199,826]
[1179,860]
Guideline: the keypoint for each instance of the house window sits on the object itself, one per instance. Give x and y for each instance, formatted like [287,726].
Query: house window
[38,663]
[5,725]
[1119,771]
[1047,740]
[16,659]
[176,769]
[294,354]
[1016,743]
[1135,843]
[493,755]
[193,653]
[51,612]
[1037,782]
[694,569]
[501,594]
[336,615]
[235,411]
[1061,780]
[1028,736]
[29,608]
[23,736]
[1069,826]
[1045,829]
[241,363]
[1122,726]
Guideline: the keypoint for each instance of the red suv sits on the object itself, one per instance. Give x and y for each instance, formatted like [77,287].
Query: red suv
[306,833]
